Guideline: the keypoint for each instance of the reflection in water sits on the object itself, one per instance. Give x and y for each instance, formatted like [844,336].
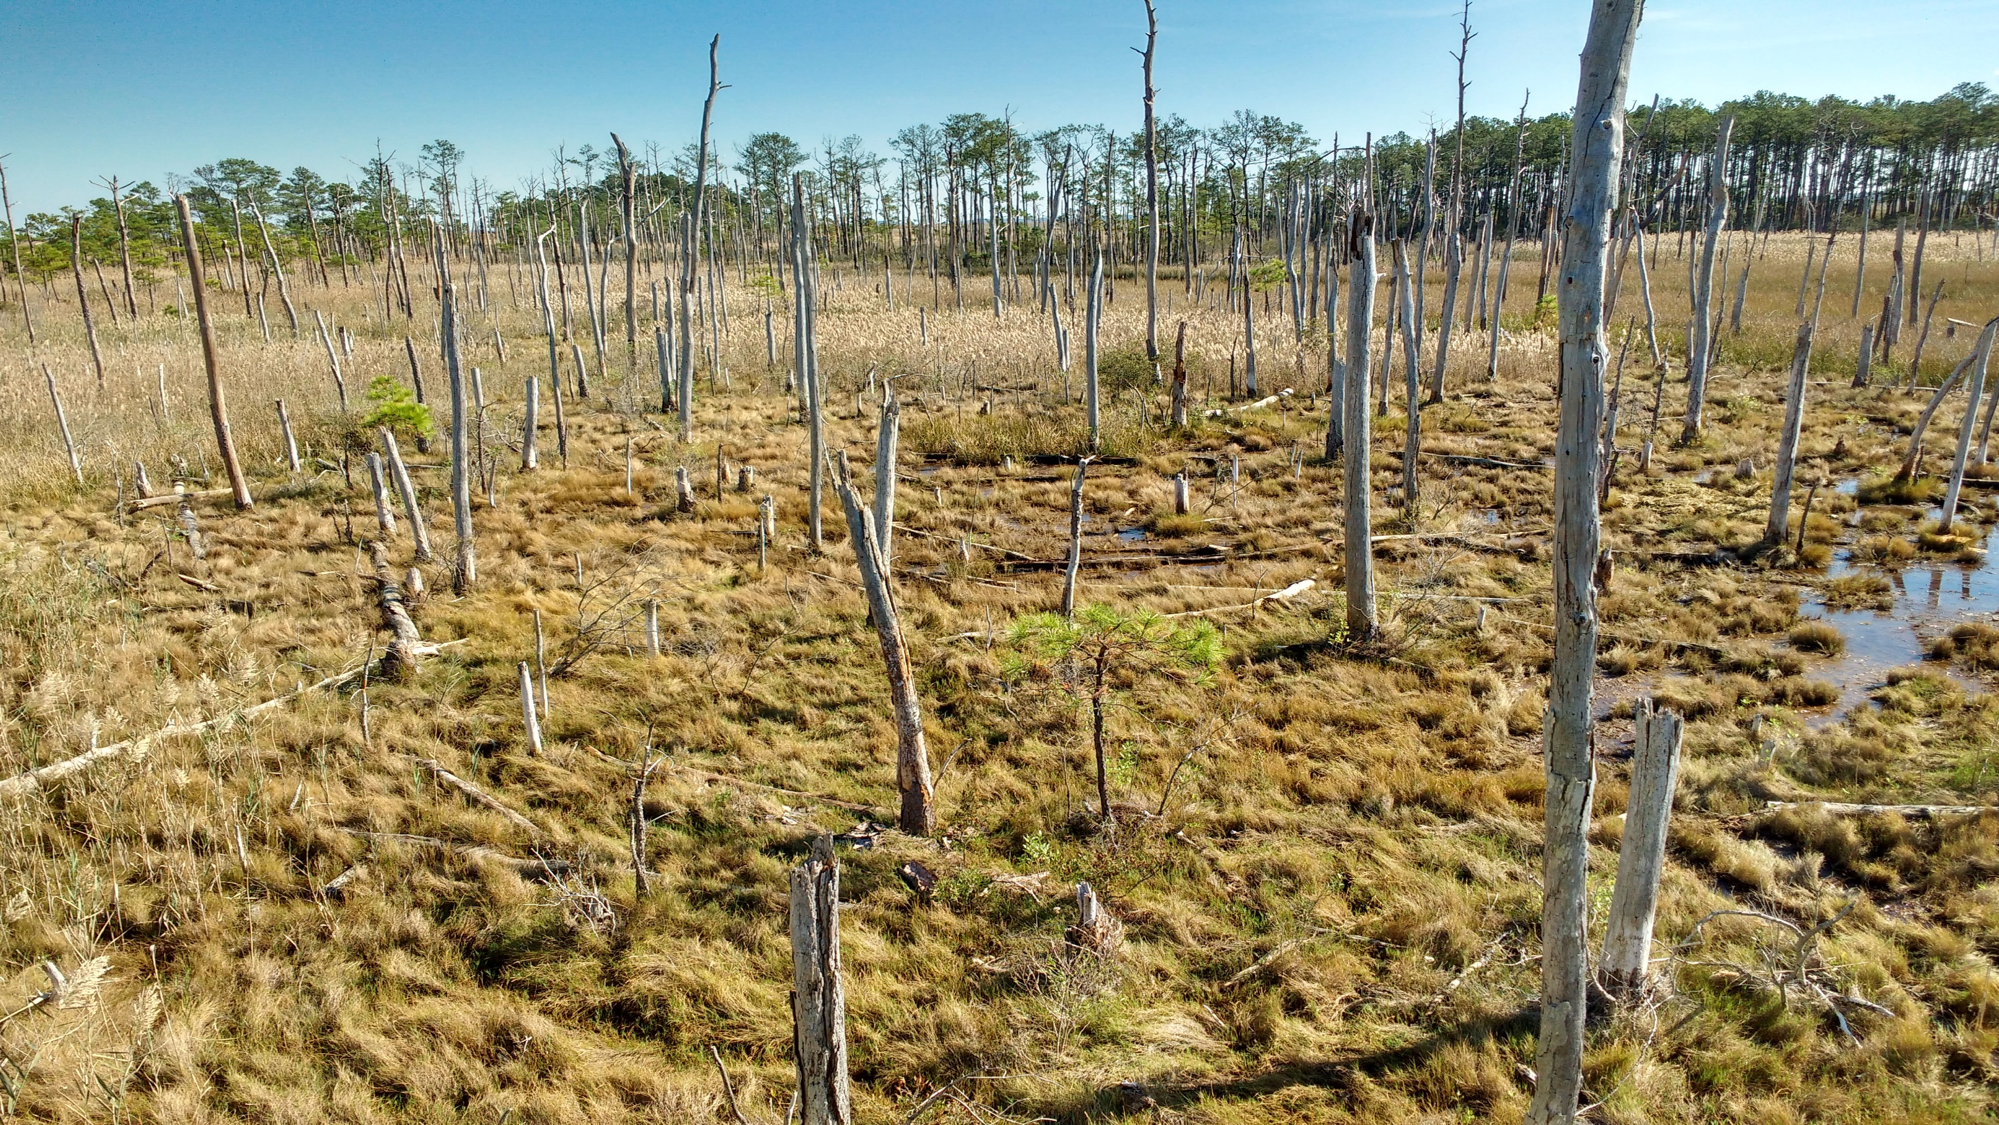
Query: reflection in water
[1924,606]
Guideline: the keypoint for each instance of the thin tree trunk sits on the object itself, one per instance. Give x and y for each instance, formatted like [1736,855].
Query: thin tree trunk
[285,433]
[804,296]
[1595,155]
[1359,546]
[1697,345]
[690,243]
[530,723]
[1151,195]
[1915,454]
[1655,765]
[62,427]
[1075,562]
[277,267]
[1787,442]
[887,433]
[917,816]
[400,473]
[83,297]
[14,237]
[385,516]
[1412,446]
[1178,388]
[465,569]
[332,360]
[218,404]
[1978,364]
[1093,316]
[818,997]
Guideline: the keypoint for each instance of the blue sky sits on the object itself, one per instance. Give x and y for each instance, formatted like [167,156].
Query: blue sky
[142,90]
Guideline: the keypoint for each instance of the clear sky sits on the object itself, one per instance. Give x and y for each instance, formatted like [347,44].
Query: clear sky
[146,89]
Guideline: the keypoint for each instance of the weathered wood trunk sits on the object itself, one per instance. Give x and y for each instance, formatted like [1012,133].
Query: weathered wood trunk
[1151,195]
[628,190]
[1787,440]
[1356,428]
[886,436]
[690,246]
[332,360]
[804,290]
[818,996]
[465,570]
[404,641]
[62,427]
[1178,389]
[400,474]
[83,296]
[1092,315]
[1655,765]
[1454,254]
[917,815]
[1697,345]
[1860,371]
[218,404]
[531,723]
[285,434]
[1336,370]
[1978,364]
[1412,447]
[1596,153]
[531,424]
[1075,541]
[1915,454]
[1180,493]
[385,515]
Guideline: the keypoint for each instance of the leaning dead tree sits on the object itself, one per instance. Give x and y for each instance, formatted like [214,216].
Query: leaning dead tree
[818,996]
[912,763]
[1787,441]
[218,404]
[1596,153]
[1980,357]
[1698,350]
[1655,765]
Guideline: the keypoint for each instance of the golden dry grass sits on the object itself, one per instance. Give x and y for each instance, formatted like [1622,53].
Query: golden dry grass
[1334,919]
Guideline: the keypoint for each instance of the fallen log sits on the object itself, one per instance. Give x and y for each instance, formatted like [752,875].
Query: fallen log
[1481,462]
[477,795]
[175,497]
[20,786]
[526,868]
[1841,808]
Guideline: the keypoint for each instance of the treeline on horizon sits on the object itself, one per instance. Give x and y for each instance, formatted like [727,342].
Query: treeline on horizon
[953,193]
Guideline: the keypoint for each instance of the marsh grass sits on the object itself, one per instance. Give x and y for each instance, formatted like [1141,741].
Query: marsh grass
[1334,919]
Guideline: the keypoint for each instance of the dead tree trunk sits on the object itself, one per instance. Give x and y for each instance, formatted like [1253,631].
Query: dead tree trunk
[1915,454]
[1787,443]
[912,763]
[1075,541]
[530,723]
[1866,349]
[404,642]
[385,516]
[1412,446]
[1356,429]
[83,296]
[818,997]
[1151,196]
[1596,153]
[218,405]
[1697,344]
[885,445]
[1093,314]
[1179,384]
[1978,362]
[332,360]
[691,242]
[628,186]
[804,320]
[531,426]
[400,474]
[62,427]
[1655,765]
[285,432]
[465,566]
[277,267]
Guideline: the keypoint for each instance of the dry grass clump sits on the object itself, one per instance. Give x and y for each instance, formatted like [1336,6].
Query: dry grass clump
[1817,637]
[1973,644]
